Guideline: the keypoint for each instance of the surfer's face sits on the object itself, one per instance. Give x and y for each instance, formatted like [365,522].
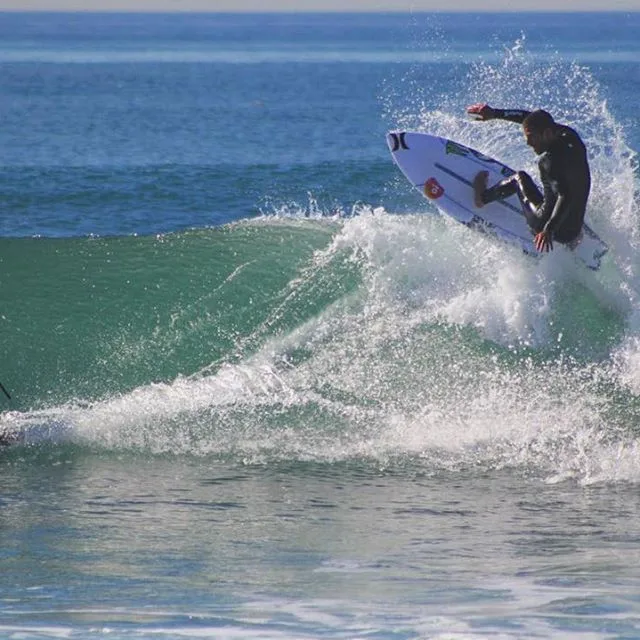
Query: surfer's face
[538,140]
[534,139]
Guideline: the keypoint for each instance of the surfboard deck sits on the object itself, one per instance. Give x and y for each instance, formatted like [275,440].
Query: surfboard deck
[443,171]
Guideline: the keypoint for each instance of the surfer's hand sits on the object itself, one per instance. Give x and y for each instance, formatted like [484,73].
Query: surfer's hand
[543,241]
[481,111]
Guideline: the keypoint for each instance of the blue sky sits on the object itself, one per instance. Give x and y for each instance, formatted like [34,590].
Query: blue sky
[320,5]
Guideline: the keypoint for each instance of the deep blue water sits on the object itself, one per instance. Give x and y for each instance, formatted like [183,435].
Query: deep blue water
[141,124]
[265,390]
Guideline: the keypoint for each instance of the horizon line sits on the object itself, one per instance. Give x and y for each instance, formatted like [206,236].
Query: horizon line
[312,11]
[144,11]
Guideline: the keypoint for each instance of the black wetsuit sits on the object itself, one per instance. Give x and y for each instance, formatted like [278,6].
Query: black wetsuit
[566,180]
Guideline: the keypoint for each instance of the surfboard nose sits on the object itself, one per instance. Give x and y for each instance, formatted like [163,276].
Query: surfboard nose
[396,141]
[390,141]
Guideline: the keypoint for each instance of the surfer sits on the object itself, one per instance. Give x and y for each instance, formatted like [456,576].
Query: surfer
[557,213]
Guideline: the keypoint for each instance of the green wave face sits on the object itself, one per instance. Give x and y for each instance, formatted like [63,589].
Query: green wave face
[85,318]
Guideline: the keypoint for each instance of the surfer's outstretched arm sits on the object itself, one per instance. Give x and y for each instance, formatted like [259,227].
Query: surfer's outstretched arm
[482,111]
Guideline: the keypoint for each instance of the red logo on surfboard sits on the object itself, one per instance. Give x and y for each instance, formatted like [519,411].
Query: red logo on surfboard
[433,189]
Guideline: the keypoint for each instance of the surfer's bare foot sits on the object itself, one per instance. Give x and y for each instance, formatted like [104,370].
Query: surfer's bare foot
[479,187]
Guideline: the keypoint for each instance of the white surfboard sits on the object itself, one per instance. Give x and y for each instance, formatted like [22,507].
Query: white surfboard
[443,171]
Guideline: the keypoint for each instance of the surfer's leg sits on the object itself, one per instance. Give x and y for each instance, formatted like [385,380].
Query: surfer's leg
[520,184]
[529,194]
[530,199]
[480,189]
[499,191]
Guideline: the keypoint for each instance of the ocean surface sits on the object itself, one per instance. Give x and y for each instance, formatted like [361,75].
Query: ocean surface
[263,389]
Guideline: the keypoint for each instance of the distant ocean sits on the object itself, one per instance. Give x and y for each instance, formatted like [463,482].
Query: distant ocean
[264,389]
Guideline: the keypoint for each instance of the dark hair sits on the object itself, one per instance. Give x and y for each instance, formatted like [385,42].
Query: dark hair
[539,121]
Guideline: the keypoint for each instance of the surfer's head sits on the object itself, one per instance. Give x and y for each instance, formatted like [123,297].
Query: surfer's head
[539,130]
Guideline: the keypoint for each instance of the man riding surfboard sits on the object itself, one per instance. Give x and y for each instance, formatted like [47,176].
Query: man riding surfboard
[557,213]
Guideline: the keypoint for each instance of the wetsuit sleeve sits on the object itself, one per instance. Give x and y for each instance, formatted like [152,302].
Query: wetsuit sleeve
[512,115]
[560,211]
[557,215]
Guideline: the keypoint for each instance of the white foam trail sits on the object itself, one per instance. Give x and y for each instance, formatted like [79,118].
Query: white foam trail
[390,371]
